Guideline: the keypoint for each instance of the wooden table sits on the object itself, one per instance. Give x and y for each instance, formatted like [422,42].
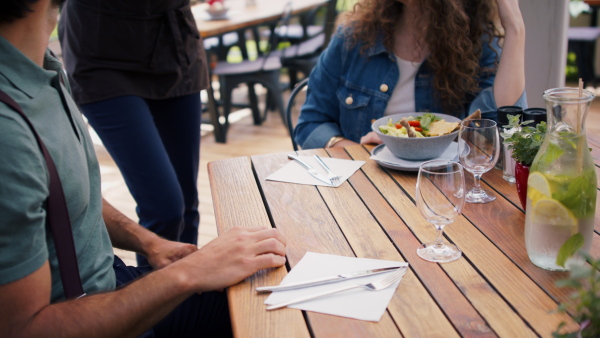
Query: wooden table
[493,290]
[242,17]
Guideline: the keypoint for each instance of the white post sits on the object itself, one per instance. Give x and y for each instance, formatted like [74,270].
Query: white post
[546,24]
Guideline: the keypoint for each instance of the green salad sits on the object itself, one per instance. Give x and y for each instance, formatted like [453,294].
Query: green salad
[419,124]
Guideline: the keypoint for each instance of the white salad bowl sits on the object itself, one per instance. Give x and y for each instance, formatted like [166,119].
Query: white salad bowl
[415,148]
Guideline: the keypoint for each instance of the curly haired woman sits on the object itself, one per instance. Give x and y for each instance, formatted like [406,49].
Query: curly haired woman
[396,56]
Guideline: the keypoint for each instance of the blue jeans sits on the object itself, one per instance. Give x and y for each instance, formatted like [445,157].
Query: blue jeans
[156,145]
[205,315]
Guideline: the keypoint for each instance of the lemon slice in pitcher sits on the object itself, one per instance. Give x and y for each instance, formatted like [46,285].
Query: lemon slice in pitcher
[538,187]
[547,211]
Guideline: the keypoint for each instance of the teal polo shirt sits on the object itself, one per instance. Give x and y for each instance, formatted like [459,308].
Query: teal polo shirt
[25,242]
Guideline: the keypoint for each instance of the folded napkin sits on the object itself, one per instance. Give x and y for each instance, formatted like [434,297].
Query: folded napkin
[358,303]
[293,172]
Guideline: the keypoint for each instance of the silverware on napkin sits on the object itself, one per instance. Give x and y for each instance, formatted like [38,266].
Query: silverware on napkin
[311,170]
[377,285]
[330,174]
[329,279]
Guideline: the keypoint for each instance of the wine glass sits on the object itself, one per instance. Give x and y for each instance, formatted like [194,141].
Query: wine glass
[478,149]
[440,199]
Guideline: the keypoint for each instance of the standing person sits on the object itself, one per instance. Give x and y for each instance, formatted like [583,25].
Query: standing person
[178,299]
[136,69]
[396,56]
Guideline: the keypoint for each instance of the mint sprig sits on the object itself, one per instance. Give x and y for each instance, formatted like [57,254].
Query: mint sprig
[569,248]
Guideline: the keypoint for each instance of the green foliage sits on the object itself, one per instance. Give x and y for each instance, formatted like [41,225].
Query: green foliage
[526,140]
[584,304]
[571,70]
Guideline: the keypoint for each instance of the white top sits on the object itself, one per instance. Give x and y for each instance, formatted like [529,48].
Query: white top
[403,97]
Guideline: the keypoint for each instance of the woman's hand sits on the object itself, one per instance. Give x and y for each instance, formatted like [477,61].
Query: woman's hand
[371,138]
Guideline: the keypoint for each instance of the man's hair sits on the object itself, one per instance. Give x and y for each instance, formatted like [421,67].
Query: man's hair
[11,10]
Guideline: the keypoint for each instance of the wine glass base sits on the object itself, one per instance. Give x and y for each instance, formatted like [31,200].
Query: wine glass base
[439,254]
[479,197]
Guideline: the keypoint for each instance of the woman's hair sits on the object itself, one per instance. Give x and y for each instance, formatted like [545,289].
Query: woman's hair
[14,9]
[454,35]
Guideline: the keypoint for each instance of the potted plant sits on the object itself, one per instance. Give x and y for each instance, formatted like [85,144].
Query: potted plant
[524,143]
[584,304]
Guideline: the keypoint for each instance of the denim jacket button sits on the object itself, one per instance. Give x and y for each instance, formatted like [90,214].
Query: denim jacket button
[349,100]
[383,88]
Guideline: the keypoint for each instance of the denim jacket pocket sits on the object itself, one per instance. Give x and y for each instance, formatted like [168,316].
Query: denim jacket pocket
[354,112]
[352,98]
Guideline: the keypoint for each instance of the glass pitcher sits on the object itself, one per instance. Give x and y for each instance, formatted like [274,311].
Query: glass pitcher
[561,189]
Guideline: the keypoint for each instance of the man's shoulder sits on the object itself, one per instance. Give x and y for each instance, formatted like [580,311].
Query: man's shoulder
[17,142]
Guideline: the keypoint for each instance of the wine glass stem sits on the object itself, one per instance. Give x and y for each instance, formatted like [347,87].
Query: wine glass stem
[477,189]
[439,238]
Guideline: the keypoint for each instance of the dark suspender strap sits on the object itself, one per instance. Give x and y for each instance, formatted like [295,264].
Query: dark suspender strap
[58,217]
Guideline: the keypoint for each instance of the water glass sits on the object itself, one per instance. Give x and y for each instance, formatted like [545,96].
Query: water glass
[478,150]
[440,198]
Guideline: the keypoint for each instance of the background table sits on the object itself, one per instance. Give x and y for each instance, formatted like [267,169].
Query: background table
[242,17]
[493,290]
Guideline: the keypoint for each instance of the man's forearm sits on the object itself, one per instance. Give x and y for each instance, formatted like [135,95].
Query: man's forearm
[124,233]
[126,312]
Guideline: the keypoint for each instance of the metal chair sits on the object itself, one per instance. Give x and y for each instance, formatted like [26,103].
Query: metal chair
[303,56]
[288,111]
[264,70]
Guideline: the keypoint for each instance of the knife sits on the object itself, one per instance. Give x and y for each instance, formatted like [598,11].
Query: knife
[311,170]
[330,279]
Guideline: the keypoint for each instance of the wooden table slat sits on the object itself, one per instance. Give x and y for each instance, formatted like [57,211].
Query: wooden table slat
[232,185]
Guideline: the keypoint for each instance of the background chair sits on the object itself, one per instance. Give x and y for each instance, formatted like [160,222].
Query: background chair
[303,56]
[265,70]
[288,111]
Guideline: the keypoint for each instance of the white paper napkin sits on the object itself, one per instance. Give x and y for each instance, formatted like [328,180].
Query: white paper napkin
[293,172]
[358,303]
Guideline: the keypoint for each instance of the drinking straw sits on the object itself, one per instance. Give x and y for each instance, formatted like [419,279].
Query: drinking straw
[579,106]
[578,130]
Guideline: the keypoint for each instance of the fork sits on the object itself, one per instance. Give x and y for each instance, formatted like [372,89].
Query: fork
[330,174]
[377,285]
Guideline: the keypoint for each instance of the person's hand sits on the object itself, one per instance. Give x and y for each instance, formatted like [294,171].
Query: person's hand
[371,138]
[233,256]
[164,252]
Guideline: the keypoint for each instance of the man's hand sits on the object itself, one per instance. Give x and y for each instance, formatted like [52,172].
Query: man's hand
[165,252]
[233,256]
[371,138]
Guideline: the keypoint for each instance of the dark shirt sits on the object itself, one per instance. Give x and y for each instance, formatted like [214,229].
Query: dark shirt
[147,48]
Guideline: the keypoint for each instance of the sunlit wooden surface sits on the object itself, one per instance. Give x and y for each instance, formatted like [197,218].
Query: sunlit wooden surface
[493,290]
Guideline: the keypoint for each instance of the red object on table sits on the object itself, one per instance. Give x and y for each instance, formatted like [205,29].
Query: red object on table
[521,176]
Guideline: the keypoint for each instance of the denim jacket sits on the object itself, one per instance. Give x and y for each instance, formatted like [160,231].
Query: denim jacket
[347,89]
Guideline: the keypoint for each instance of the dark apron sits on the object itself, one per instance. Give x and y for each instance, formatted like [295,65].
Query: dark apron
[148,48]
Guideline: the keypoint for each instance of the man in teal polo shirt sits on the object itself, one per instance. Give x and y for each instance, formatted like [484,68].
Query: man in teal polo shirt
[31,295]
